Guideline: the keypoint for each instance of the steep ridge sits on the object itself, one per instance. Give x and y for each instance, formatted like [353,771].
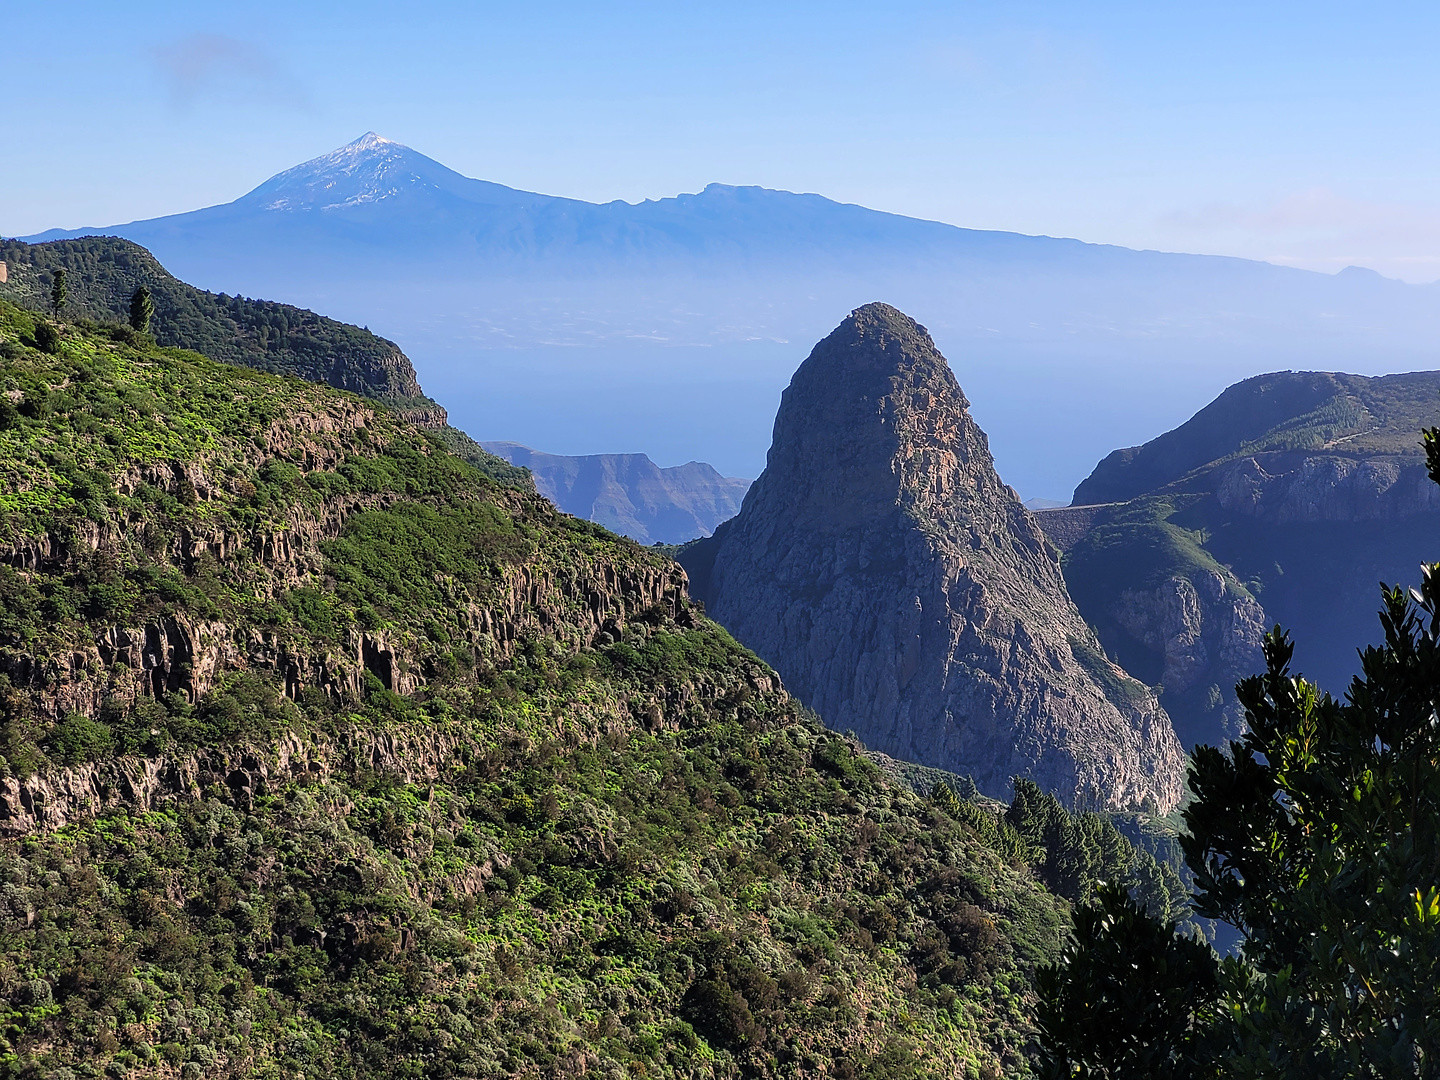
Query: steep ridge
[1287,499]
[323,753]
[903,591]
[630,494]
[102,273]
[1275,419]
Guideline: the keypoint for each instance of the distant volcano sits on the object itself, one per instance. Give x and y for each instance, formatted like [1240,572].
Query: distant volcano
[1096,345]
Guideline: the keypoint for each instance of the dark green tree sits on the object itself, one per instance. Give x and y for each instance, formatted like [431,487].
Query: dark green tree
[1071,851]
[1317,835]
[1146,1025]
[142,310]
[57,291]
[47,338]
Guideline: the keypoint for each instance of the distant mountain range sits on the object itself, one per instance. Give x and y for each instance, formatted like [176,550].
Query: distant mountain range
[630,494]
[577,318]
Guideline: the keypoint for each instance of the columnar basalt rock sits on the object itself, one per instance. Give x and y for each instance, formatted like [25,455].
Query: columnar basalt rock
[584,603]
[902,590]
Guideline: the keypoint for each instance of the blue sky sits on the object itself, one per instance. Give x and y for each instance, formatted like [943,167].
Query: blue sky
[1300,133]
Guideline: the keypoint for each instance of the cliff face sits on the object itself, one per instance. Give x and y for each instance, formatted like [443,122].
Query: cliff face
[1285,500]
[268,477]
[1344,444]
[1283,488]
[630,494]
[902,590]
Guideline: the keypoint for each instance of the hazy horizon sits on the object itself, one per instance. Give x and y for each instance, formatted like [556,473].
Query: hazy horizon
[1329,265]
[670,327]
[1294,135]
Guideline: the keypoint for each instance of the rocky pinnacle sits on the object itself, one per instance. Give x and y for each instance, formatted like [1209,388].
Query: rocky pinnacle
[902,590]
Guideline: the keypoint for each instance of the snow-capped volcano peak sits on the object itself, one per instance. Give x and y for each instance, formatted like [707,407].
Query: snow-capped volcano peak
[369,170]
[368,140]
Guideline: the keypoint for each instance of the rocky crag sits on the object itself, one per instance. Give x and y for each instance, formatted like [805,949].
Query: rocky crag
[630,494]
[234,495]
[1286,500]
[902,590]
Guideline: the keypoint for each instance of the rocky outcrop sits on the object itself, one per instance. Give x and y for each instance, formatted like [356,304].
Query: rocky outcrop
[52,800]
[1209,633]
[585,604]
[630,494]
[902,590]
[1294,488]
[583,600]
[1193,628]
[422,412]
[1298,491]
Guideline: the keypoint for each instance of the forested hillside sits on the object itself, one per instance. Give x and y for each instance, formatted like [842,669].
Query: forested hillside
[103,272]
[325,753]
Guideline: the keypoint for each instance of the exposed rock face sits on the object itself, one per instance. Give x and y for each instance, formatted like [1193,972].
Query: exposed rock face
[902,590]
[585,600]
[1286,488]
[592,600]
[1209,633]
[630,494]
[1298,491]
[1192,629]
[50,801]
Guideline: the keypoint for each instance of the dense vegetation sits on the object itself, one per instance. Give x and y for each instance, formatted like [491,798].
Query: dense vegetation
[326,754]
[1317,836]
[102,274]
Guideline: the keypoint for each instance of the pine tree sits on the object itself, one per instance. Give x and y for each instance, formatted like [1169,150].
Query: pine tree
[142,309]
[57,291]
[1317,836]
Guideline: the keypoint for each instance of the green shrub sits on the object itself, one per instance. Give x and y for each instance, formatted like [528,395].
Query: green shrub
[47,338]
[77,739]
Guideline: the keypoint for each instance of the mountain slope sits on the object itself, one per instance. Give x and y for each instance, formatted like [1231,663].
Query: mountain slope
[1287,499]
[631,495]
[324,753]
[1349,416]
[548,315]
[104,272]
[902,590]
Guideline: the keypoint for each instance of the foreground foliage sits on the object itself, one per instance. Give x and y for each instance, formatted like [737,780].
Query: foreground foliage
[1318,836]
